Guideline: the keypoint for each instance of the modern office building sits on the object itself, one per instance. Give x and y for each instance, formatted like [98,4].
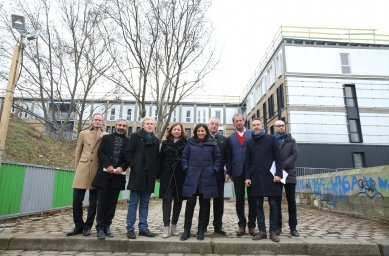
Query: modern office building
[331,87]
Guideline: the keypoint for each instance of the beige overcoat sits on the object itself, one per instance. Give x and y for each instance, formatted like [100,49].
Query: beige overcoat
[86,159]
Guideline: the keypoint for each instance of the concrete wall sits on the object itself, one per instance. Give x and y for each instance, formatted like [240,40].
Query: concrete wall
[360,192]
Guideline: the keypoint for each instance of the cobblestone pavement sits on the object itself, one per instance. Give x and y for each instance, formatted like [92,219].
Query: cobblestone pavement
[312,223]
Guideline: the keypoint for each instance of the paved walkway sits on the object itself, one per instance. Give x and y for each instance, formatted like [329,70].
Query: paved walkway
[316,227]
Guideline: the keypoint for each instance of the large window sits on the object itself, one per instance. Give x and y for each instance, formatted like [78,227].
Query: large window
[201,117]
[188,118]
[129,114]
[113,114]
[280,100]
[354,126]
[345,63]
[270,103]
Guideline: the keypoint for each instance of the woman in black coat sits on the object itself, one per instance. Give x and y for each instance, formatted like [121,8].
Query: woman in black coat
[200,162]
[171,177]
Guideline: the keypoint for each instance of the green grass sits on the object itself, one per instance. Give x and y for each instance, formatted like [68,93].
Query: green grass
[25,144]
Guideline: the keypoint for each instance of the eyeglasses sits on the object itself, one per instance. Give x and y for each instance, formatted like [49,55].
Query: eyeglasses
[281,125]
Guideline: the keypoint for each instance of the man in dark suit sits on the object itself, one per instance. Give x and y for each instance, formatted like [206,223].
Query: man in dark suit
[218,203]
[261,151]
[235,165]
[110,177]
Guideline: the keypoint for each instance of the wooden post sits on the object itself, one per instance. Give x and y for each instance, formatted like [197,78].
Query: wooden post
[12,81]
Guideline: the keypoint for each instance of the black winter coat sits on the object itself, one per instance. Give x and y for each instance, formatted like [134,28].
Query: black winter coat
[105,154]
[143,157]
[200,163]
[171,174]
[260,155]
[289,157]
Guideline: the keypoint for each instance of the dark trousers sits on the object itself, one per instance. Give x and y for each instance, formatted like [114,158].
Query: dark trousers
[167,207]
[239,186]
[273,218]
[107,199]
[78,197]
[218,206]
[290,192]
[205,205]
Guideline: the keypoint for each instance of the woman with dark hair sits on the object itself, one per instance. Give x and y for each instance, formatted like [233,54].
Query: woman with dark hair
[200,162]
[171,177]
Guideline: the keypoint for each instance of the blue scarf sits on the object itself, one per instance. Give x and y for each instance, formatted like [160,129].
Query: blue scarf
[149,136]
[257,135]
[280,137]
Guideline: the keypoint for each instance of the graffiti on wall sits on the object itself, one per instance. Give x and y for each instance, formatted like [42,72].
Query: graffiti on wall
[340,185]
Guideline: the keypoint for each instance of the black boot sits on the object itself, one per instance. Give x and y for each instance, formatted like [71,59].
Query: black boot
[200,235]
[185,235]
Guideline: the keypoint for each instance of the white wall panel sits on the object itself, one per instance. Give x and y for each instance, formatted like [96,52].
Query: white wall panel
[306,92]
[375,127]
[326,60]
[325,127]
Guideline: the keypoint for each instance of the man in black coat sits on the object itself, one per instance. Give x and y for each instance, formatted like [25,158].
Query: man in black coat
[262,150]
[143,156]
[218,203]
[289,155]
[110,177]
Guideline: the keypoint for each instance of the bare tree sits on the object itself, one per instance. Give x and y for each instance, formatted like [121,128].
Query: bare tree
[163,52]
[67,61]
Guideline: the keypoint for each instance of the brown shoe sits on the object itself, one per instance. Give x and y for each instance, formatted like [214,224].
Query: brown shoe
[260,235]
[274,237]
[241,231]
[252,231]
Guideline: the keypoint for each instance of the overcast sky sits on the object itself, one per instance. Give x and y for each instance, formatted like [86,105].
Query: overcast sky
[244,29]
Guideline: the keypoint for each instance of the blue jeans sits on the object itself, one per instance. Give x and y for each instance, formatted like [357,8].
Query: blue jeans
[273,214]
[143,199]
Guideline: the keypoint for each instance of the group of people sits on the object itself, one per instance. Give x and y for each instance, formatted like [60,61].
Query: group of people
[187,169]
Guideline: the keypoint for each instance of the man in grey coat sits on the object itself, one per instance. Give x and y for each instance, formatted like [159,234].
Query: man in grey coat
[289,155]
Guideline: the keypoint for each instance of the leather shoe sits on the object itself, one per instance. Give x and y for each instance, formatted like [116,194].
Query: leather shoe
[278,231]
[252,231]
[220,231]
[100,234]
[260,235]
[294,233]
[147,233]
[131,234]
[87,232]
[200,235]
[108,232]
[241,231]
[185,235]
[75,231]
[274,237]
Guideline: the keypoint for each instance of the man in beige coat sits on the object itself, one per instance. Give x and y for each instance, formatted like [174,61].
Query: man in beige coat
[87,163]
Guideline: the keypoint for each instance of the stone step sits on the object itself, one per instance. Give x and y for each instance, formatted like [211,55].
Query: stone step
[231,246]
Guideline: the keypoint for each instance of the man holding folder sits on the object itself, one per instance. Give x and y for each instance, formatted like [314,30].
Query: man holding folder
[289,155]
[261,151]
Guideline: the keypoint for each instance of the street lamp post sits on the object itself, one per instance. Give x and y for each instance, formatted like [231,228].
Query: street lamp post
[18,24]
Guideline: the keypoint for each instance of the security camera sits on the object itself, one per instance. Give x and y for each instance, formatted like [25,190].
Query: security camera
[33,35]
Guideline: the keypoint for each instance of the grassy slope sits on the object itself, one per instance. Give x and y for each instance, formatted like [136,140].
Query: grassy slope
[25,144]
